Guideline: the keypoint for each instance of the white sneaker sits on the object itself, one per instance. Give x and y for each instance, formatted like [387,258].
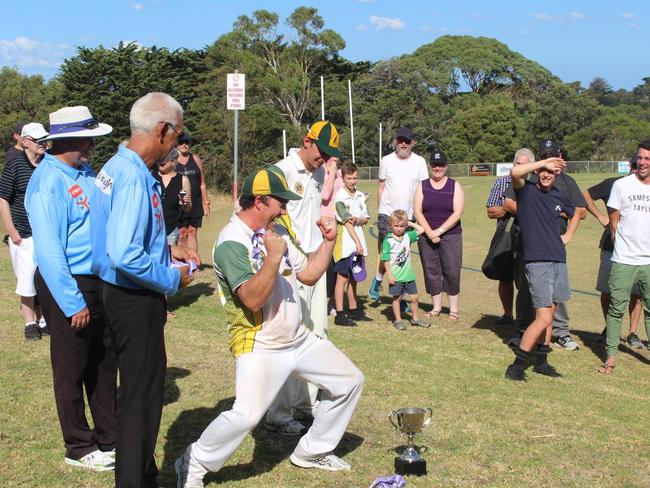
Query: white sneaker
[328,462]
[95,461]
[567,343]
[184,478]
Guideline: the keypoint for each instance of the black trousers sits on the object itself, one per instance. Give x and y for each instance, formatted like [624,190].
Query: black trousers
[136,319]
[81,359]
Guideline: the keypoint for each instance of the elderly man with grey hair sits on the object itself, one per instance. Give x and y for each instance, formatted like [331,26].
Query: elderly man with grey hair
[496,210]
[131,256]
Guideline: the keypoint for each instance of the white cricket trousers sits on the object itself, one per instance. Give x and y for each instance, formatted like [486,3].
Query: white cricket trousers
[296,394]
[259,377]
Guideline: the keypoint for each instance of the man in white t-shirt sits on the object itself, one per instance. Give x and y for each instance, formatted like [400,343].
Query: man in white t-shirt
[629,219]
[399,174]
[305,176]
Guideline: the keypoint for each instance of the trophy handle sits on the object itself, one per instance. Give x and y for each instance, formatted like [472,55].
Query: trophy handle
[427,419]
[391,416]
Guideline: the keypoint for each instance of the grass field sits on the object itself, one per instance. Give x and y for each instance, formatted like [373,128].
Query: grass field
[583,430]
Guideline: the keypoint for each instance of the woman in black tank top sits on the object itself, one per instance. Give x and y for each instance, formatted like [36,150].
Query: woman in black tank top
[175,190]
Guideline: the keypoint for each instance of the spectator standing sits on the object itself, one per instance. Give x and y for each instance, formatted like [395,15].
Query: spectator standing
[525,313]
[175,195]
[602,191]
[351,215]
[131,256]
[629,217]
[17,149]
[58,203]
[191,166]
[333,183]
[438,205]
[400,172]
[258,268]
[305,175]
[496,210]
[396,251]
[540,208]
[13,185]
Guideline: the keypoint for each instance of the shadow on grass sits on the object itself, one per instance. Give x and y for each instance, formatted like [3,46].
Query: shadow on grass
[503,332]
[270,449]
[172,392]
[593,342]
[187,296]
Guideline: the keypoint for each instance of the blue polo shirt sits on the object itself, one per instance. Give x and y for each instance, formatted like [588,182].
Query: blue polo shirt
[540,222]
[57,201]
[129,242]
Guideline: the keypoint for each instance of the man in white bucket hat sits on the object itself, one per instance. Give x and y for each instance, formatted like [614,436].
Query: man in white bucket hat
[58,203]
[13,184]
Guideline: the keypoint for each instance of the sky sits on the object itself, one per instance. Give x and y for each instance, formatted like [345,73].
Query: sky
[576,40]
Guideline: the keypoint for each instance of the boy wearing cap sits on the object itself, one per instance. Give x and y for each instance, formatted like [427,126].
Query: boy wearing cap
[259,267]
[13,185]
[305,175]
[58,202]
[351,215]
[400,172]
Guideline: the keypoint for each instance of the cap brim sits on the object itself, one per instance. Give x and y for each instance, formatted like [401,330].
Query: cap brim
[100,130]
[329,150]
[287,195]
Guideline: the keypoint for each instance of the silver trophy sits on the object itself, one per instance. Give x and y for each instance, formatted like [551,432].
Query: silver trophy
[410,421]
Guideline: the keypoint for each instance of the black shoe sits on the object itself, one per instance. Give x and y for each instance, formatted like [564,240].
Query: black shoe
[547,370]
[44,330]
[515,373]
[344,320]
[32,333]
[356,314]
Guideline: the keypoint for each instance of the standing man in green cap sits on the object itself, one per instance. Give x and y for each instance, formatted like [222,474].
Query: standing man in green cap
[305,175]
[259,267]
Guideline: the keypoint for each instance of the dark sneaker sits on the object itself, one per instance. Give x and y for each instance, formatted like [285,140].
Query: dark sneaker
[292,428]
[515,373]
[344,320]
[565,342]
[547,370]
[634,341]
[31,332]
[357,314]
[44,330]
[516,339]
[504,320]
[373,291]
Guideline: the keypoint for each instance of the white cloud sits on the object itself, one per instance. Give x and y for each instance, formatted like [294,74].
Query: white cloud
[137,6]
[628,15]
[392,23]
[361,27]
[572,16]
[23,52]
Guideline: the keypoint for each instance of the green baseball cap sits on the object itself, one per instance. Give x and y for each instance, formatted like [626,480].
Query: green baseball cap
[268,182]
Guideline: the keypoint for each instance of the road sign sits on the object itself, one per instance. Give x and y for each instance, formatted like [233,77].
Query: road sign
[236,91]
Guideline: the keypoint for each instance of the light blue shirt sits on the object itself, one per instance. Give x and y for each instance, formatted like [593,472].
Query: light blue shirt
[58,203]
[129,243]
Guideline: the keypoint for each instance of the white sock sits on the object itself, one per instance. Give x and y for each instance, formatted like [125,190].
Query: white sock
[379,277]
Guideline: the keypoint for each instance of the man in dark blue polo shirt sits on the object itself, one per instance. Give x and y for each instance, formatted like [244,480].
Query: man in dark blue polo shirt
[541,209]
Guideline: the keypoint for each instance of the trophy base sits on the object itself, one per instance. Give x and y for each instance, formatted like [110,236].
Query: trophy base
[418,468]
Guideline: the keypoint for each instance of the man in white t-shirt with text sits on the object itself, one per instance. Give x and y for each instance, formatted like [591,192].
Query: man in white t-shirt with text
[400,172]
[629,219]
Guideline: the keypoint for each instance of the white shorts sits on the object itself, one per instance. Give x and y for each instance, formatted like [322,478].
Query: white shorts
[602,282]
[22,259]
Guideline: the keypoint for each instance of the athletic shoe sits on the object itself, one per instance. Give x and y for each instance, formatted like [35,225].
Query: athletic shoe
[185,479]
[109,455]
[634,341]
[329,462]
[547,370]
[344,320]
[44,330]
[504,320]
[292,428]
[515,373]
[404,306]
[566,342]
[31,332]
[399,324]
[420,323]
[515,340]
[357,314]
[373,291]
[95,461]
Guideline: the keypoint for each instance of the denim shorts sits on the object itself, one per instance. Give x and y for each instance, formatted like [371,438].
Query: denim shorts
[548,283]
[399,289]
